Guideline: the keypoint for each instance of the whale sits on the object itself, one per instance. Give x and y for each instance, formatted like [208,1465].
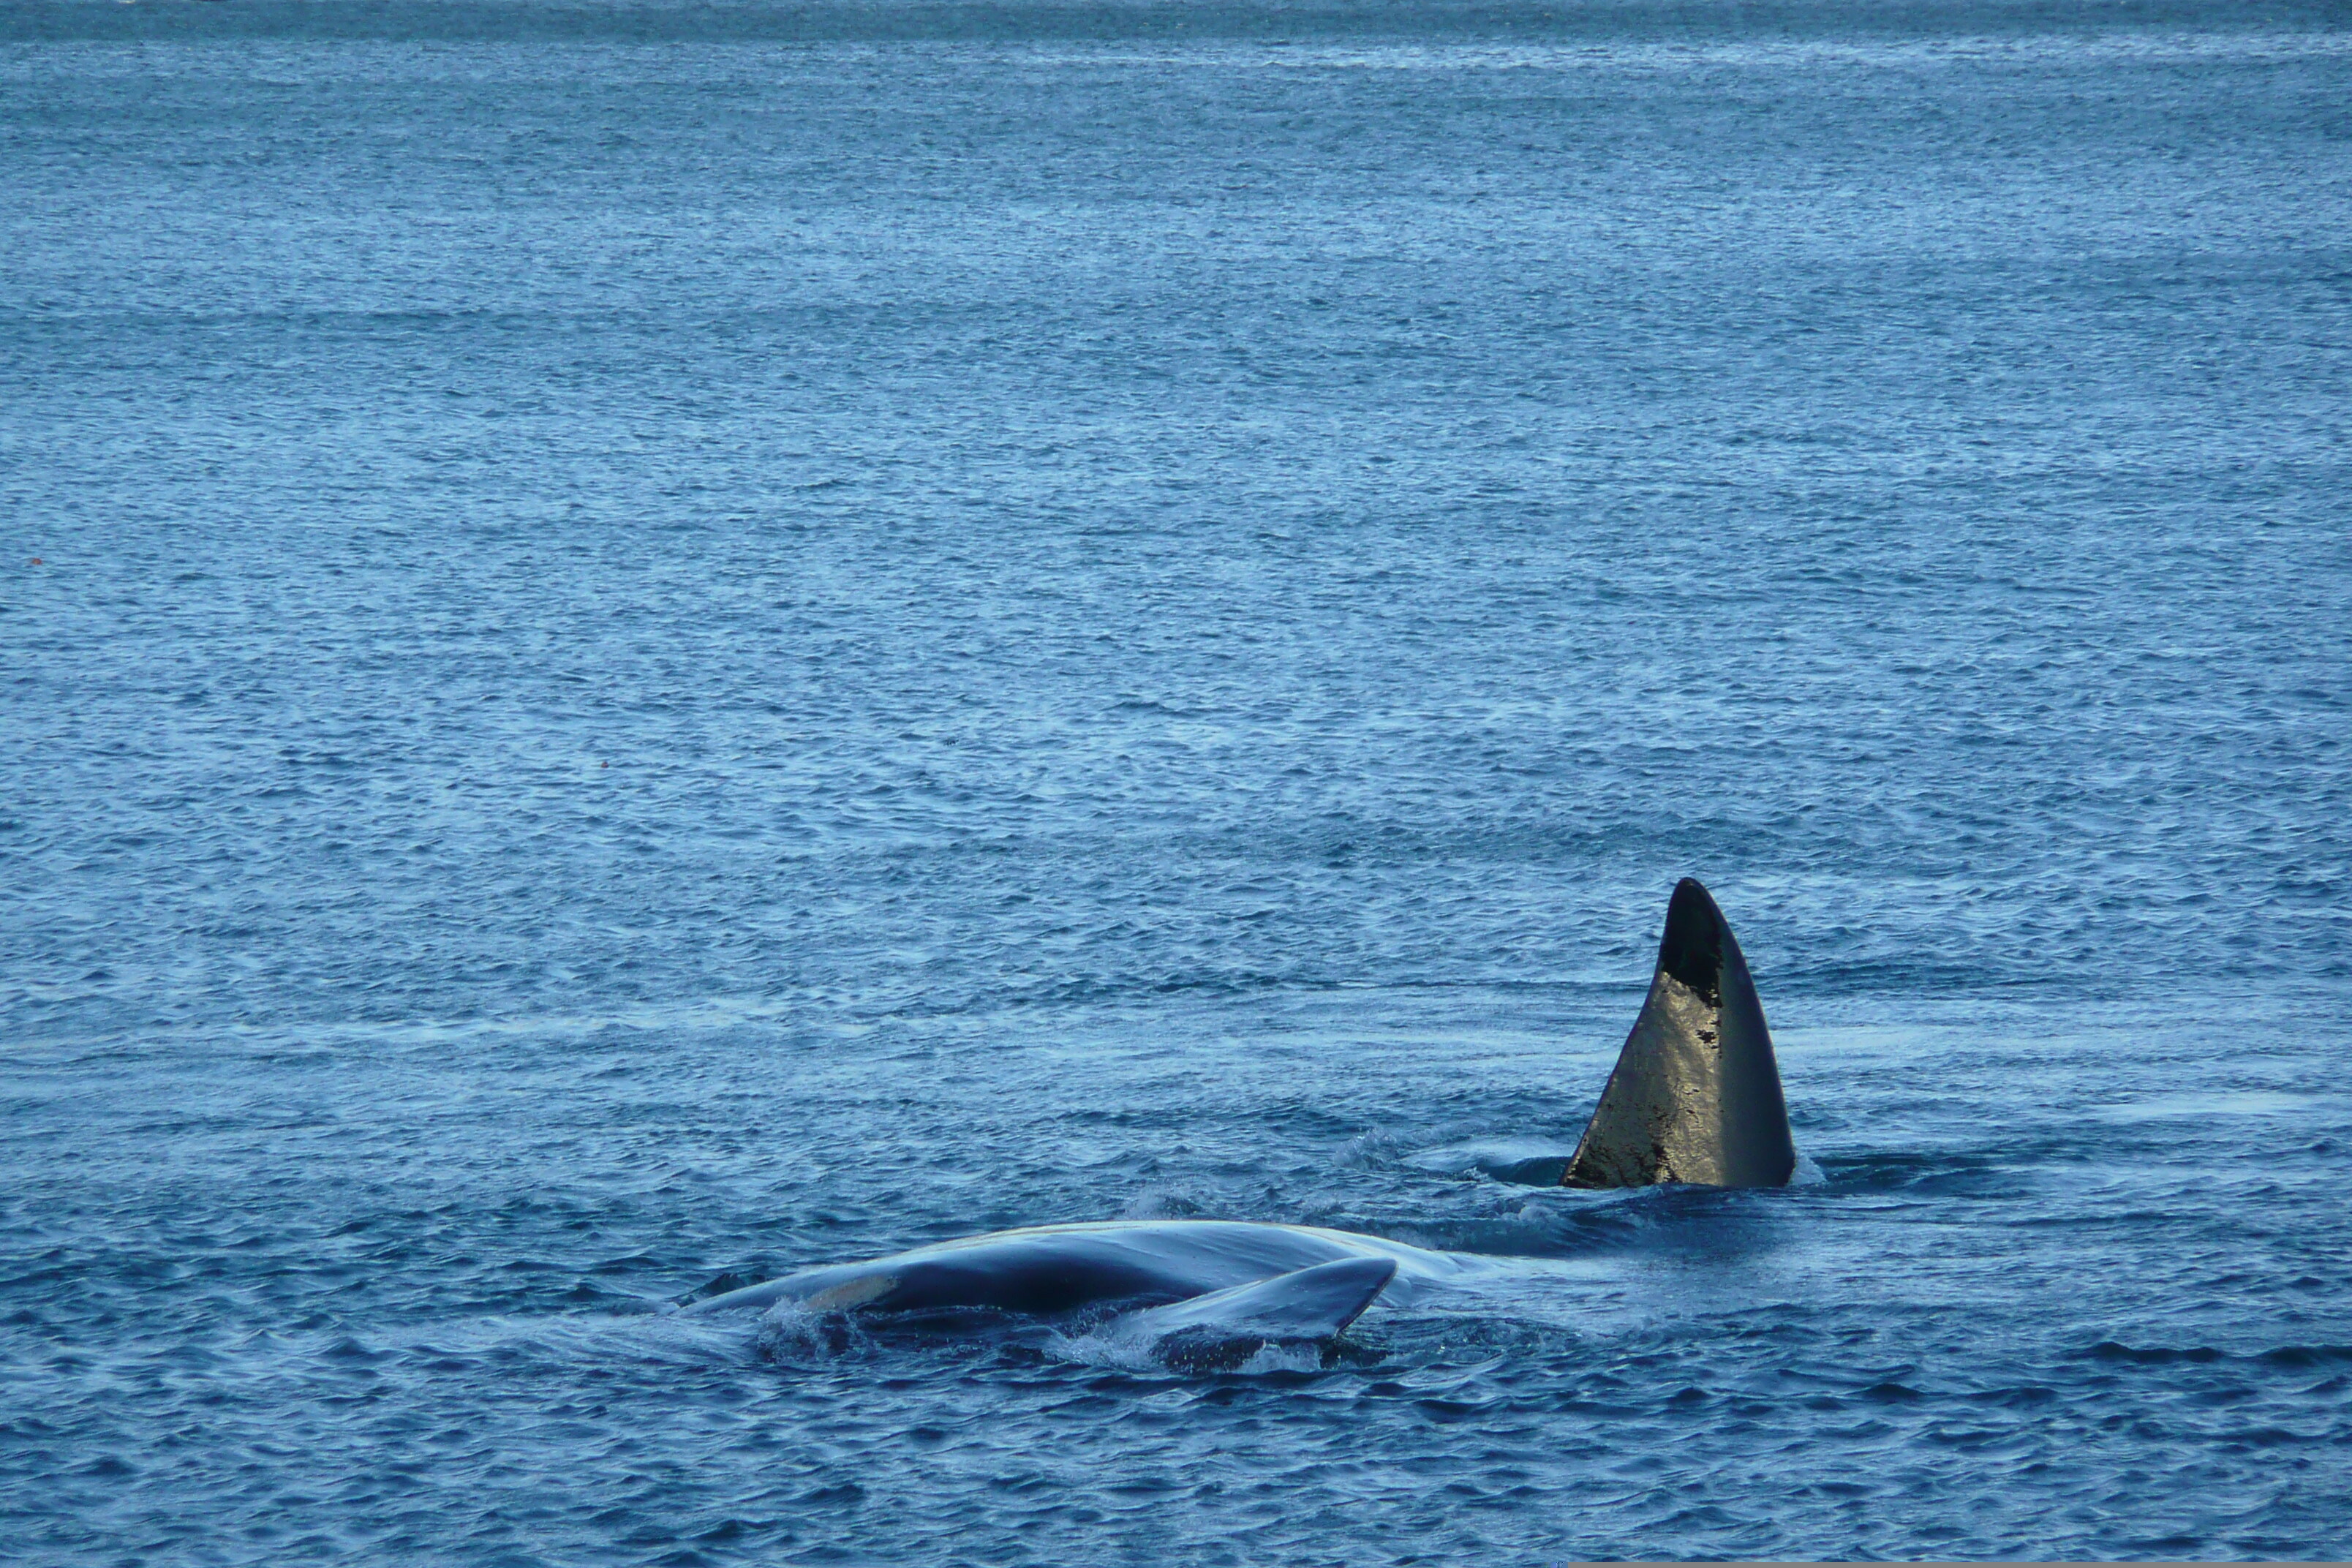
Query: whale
[1695,1098]
[1194,1294]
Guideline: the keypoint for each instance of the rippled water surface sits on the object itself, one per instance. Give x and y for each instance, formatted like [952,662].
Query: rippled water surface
[642,643]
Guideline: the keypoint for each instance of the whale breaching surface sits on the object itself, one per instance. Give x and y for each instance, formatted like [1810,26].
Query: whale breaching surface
[1695,1098]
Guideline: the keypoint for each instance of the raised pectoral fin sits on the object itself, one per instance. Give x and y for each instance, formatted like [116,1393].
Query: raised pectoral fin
[1316,1303]
[1695,1096]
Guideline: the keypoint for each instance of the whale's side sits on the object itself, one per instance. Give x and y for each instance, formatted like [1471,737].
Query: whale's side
[1695,1096]
[1051,1269]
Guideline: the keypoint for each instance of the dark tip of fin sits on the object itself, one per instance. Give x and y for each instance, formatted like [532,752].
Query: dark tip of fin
[1692,949]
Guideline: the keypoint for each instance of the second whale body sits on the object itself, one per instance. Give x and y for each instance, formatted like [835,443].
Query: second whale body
[1200,1293]
[1695,1098]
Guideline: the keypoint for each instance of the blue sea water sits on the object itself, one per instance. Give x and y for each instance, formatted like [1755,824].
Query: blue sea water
[641,641]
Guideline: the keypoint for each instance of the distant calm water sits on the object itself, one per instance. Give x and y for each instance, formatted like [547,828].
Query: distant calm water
[671,640]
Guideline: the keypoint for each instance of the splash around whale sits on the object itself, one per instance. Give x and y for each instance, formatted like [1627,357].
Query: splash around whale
[1695,1098]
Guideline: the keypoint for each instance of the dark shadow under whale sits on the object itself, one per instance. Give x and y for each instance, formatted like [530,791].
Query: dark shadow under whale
[1695,1098]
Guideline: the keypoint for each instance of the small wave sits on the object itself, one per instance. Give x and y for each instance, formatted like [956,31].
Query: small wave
[1159,1201]
[2251,1102]
[571,1337]
[1123,1344]
[2204,1355]
[1518,1162]
[791,1334]
[2305,1355]
[1118,1346]
[2155,1356]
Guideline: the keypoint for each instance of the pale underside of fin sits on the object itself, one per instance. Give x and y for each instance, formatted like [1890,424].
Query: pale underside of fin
[1695,1096]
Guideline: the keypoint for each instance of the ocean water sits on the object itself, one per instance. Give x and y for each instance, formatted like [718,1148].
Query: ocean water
[640,642]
